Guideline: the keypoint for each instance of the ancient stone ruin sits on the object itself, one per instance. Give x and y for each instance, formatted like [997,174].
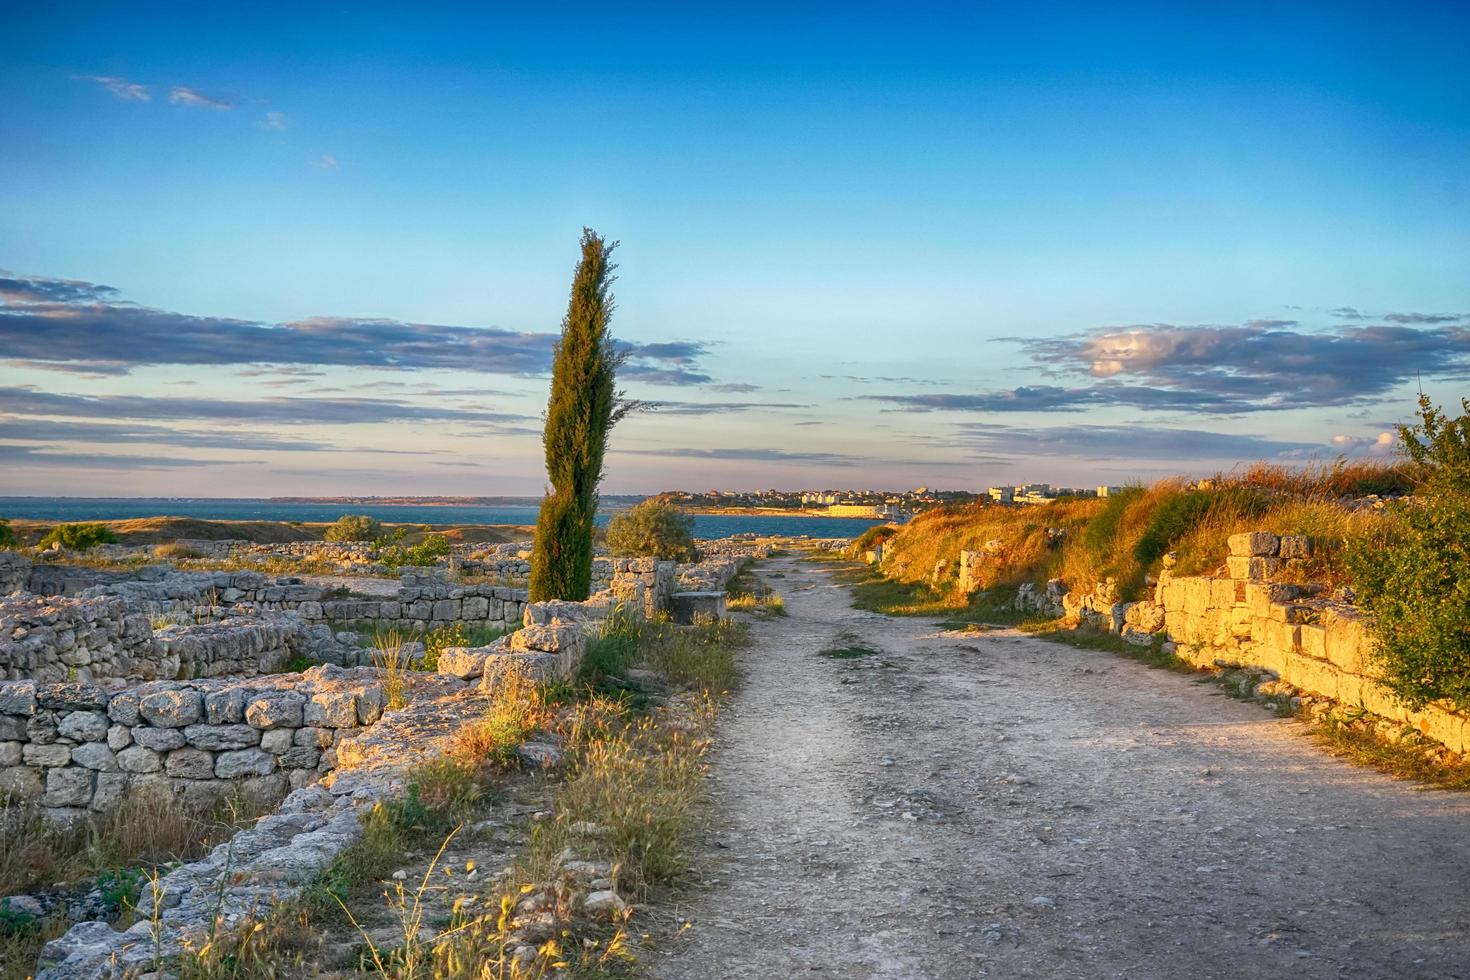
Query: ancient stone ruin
[176,682]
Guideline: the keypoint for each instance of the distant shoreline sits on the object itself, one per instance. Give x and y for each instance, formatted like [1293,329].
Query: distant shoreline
[775,512]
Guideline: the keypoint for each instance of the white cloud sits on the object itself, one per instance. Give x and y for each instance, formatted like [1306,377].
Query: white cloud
[272,120]
[1383,444]
[183,95]
[325,162]
[120,87]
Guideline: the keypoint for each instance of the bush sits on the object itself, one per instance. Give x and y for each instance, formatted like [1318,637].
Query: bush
[7,536]
[872,536]
[427,552]
[652,529]
[354,527]
[79,537]
[1178,515]
[1412,576]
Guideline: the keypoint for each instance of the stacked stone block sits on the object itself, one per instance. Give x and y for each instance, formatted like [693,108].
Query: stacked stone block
[56,639]
[76,747]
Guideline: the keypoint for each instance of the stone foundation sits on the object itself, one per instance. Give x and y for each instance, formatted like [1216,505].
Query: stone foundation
[77,747]
[1312,642]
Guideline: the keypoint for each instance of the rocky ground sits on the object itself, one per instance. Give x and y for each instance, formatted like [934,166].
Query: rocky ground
[963,805]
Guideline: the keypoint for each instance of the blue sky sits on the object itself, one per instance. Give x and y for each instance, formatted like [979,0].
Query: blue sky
[862,244]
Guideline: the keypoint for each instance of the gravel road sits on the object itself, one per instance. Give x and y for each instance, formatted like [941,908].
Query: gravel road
[995,805]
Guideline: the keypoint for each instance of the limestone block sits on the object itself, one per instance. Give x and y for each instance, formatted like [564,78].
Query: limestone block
[123,709]
[447,610]
[119,737]
[301,757]
[136,758]
[18,698]
[244,762]
[159,739]
[20,782]
[1254,543]
[67,787]
[9,754]
[1314,640]
[12,729]
[221,737]
[316,738]
[1295,546]
[689,608]
[476,607]
[95,755]
[277,740]
[225,707]
[190,763]
[84,726]
[71,697]
[463,662]
[108,789]
[370,705]
[172,709]
[1256,569]
[54,754]
[332,709]
[278,710]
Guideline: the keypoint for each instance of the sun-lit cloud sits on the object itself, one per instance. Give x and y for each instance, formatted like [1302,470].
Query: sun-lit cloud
[186,96]
[1258,366]
[272,121]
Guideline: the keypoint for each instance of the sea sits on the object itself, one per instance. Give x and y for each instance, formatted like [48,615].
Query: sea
[245,509]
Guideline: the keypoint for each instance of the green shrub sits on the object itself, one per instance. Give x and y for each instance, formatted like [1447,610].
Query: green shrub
[7,536]
[79,537]
[652,529]
[427,552]
[872,536]
[1182,513]
[1412,576]
[354,527]
[614,650]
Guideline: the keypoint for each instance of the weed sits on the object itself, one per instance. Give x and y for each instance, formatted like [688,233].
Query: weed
[848,653]
[613,650]
[391,655]
[701,656]
[517,709]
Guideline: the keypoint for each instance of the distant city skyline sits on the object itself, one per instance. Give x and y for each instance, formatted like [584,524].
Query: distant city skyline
[287,251]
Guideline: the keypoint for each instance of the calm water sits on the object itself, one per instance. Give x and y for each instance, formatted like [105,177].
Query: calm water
[101,508]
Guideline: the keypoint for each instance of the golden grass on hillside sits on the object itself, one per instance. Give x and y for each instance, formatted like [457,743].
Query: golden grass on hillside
[1124,537]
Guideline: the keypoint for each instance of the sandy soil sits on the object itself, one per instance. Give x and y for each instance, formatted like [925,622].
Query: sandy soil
[996,805]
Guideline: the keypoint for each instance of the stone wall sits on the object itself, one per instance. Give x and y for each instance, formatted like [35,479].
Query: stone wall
[77,747]
[97,637]
[643,584]
[269,730]
[423,600]
[1316,643]
[53,639]
[15,572]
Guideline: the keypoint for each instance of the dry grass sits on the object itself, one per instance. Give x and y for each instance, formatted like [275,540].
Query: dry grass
[517,710]
[145,829]
[702,657]
[391,656]
[1123,537]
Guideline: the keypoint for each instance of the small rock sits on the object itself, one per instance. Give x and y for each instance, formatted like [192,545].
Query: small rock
[1044,902]
[603,903]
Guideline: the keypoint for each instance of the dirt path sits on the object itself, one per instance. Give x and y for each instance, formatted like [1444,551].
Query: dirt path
[997,805]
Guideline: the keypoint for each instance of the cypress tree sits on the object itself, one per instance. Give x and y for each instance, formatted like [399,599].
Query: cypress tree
[583,408]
